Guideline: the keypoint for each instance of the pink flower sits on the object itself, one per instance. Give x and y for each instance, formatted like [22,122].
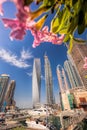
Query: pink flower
[1,10]
[23,11]
[45,36]
[85,65]
[18,28]
[21,23]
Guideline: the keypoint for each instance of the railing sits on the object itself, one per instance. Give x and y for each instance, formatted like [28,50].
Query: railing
[22,118]
[9,126]
[71,119]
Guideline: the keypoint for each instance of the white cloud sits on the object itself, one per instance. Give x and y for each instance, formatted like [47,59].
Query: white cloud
[29,74]
[25,54]
[13,59]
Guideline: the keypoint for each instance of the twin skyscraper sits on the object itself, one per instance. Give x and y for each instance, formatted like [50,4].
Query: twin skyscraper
[36,82]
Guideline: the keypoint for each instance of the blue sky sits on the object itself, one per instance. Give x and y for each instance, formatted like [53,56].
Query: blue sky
[16,59]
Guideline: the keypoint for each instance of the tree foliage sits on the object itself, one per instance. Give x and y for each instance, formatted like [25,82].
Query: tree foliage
[70,15]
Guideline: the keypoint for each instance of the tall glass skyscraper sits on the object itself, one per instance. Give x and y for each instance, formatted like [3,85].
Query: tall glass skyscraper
[73,76]
[49,82]
[65,97]
[36,82]
[62,79]
[79,52]
[4,79]
[9,98]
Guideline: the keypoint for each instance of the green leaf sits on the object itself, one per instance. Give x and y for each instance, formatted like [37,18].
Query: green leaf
[38,1]
[63,30]
[85,13]
[40,22]
[77,7]
[62,1]
[81,22]
[54,25]
[68,2]
[56,21]
[27,2]
[86,19]
[71,3]
[70,45]
[64,20]
[60,23]
[74,2]
[48,2]
[38,12]
[81,28]
[72,25]
[67,37]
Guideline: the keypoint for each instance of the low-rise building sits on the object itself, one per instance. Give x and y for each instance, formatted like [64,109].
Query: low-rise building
[80,97]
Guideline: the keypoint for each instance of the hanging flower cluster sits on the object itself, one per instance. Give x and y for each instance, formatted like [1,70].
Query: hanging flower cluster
[70,15]
[62,27]
[45,36]
[25,21]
